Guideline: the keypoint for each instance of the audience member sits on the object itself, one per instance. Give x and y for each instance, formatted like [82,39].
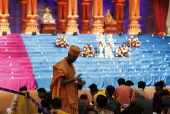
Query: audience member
[123,92]
[157,96]
[46,99]
[18,104]
[101,102]
[165,110]
[83,97]
[91,111]
[82,106]
[56,106]
[141,101]
[164,85]
[112,104]
[166,100]
[141,85]
[95,92]
[137,110]
[129,83]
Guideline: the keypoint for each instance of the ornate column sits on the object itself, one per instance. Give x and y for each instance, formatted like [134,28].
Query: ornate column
[62,16]
[72,16]
[97,16]
[31,25]
[85,16]
[119,13]
[168,22]
[4,15]
[134,16]
[23,15]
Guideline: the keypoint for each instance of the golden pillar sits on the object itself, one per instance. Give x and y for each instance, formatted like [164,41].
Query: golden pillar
[134,16]
[72,25]
[85,15]
[62,16]
[97,7]
[4,15]
[23,16]
[119,13]
[31,16]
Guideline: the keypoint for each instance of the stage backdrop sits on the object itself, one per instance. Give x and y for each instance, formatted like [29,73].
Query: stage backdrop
[147,21]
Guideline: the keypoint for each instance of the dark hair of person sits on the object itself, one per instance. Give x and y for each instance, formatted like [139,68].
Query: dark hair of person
[129,83]
[141,84]
[137,109]
[165,92]
[121,81]
[110,90]
[165,110]
[159,84]
[101,101]
[163,83]
[92,86]
[80,87]
[91,110]
[42,90]
[56,103]
[83,96]
[94,90]
[23,88]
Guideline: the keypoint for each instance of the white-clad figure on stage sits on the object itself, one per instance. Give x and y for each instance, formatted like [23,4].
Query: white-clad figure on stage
[101,39]
[108,50]
[47,17]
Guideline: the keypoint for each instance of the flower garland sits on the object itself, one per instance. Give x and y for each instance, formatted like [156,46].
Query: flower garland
[123,51]
[61,41]
[133,41]
[88,51]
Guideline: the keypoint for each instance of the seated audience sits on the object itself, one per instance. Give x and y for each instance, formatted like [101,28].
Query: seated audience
[91,111]
[101,102]
[56,106]
[166,100]
[46,99]
[141,101]
[157,99]
[83,97]
[95,92]
[165,110]
[141,85]
[123,92]
[112,104]
[18,104]
[137,110]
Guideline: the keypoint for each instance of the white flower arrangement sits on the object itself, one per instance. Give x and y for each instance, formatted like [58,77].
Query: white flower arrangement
[123,51]
[88,51]
[61,41]
[133,41]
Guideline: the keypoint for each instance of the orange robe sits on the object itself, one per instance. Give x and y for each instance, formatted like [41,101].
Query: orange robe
[66,92]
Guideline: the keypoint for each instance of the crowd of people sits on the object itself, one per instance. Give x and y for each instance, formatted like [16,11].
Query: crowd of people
[124,99]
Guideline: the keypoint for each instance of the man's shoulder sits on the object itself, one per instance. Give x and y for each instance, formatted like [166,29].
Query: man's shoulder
[60,63]
[142,99]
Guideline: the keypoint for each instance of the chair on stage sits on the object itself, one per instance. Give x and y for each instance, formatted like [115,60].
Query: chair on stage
[110,25]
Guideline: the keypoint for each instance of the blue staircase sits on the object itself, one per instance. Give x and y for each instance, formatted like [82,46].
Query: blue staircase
[149,63]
